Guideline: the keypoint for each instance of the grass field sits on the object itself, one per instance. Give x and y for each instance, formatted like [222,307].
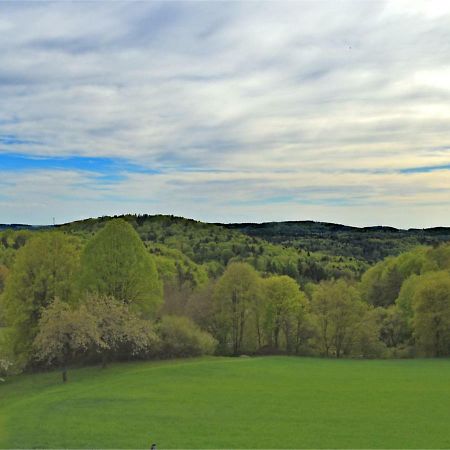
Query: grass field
[272,402]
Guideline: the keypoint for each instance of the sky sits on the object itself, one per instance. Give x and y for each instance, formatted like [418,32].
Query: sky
[246,111]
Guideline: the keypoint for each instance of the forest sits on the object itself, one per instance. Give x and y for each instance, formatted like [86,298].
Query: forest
[158,287]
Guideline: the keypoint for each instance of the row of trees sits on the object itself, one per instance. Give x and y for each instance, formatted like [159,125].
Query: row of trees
[72,298]
[252,314]
[400,308]
[62,300]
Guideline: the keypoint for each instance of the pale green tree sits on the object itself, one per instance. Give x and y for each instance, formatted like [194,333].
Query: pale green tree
[285,304]
[116,263]
[404,300]
[45,268]
[338,313]
[431,313]
[234,294]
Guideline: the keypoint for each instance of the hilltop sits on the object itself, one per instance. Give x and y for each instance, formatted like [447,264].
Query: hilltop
[370,244]
[305,250]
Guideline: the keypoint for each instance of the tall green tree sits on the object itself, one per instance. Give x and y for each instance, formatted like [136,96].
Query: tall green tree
[235,292]
[431,308]
[116,263]
[284,306]
[338,313]
[381,284]
[45,268]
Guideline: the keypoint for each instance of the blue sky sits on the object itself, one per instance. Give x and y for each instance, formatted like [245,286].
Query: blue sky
[237,111]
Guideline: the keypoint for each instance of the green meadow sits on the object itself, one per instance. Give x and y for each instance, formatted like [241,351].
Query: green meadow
[266,402]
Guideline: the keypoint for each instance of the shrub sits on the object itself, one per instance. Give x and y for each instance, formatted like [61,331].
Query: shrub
[180,337]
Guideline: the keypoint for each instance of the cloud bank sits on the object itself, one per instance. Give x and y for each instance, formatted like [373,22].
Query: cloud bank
[236,111]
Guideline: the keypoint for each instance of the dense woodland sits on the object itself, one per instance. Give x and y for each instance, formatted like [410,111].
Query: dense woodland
[369,244]
[148,287]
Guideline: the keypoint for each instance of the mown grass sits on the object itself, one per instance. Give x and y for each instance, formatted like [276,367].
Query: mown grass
[272,402]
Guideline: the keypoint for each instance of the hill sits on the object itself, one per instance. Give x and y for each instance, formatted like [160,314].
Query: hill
[215,245]
[370,244]
[307,251]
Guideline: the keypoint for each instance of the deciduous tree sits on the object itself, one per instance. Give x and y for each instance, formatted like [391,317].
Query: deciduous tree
[431,308]
[45,268]
[235,292]
[338,312]
[285,304]
[116,263]
[65,332]
[118,327]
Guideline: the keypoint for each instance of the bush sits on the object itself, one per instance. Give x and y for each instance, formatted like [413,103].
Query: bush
[8,364]
[5,367]
[180,337]
[402,351]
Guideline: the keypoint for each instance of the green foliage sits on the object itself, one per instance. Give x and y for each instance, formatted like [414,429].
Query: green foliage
[175,268]
[215,246]
[395,329]
[180,337]
[4,271]
[119,328]
[369,245]
[44,269]
[116,263]
[405,297]
[340,317]
[431,307]
[202,309]
[285,311]
[6,359]
[11,241]
[64,332]
[253,296]
[381,284]
[235,292]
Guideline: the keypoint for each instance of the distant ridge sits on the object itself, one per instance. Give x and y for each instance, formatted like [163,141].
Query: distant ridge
[21,226]
[307,224]
[330,226]
[333,245]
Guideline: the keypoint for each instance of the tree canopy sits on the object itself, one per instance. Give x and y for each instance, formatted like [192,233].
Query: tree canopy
[44,269]
[116,263]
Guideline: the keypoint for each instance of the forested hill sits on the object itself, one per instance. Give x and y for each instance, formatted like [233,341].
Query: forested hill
[186,278]
[213,246]
[370,244]
[306,251]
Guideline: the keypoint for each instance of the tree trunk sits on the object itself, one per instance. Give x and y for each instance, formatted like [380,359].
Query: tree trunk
[104,360]
[235,330]
[258,331]
[241,330]
[65,360]
[276,333]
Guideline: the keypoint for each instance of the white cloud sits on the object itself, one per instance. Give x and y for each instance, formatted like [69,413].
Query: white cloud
[317,104]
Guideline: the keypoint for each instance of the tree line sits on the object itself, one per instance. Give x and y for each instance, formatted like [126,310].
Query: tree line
[70,298]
